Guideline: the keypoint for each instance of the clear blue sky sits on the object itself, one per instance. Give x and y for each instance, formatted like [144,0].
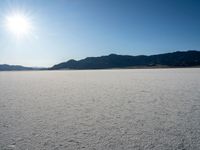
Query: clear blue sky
[65,29]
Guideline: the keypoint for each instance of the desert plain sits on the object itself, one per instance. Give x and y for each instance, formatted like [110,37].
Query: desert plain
[125,109]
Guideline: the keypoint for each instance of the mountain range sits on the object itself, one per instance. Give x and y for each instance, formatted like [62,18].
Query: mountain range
[5,67]
[189,58]
[175,59]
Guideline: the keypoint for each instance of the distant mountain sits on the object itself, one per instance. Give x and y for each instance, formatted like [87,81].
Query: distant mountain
[6,67]
[175,59]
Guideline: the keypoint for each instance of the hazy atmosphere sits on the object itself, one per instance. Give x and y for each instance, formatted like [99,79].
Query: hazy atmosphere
[53,31]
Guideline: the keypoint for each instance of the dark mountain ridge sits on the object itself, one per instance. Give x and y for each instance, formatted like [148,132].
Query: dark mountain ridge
[5,67]
[175,59]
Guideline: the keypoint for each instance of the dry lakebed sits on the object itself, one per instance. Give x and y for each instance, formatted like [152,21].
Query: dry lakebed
[127,109]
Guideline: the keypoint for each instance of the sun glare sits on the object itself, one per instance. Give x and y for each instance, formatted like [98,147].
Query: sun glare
[18,24]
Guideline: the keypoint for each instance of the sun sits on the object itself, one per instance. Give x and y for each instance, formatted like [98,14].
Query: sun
[18,24]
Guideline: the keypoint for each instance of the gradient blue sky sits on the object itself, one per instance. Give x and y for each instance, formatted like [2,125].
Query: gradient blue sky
[65,29]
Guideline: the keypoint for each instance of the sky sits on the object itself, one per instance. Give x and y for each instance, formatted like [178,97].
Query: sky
[75,29]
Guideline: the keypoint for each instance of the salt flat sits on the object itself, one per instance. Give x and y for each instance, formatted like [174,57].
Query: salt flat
[138,109]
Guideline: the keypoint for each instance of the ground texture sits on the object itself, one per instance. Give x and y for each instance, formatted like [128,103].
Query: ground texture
[153,109]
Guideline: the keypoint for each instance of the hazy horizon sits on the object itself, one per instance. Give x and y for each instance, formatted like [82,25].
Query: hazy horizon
[56,31]
[88,57]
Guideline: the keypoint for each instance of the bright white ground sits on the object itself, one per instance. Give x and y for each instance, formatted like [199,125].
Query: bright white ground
[155,109]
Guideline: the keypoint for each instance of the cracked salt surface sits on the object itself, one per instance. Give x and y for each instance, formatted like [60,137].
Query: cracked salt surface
[154,109]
